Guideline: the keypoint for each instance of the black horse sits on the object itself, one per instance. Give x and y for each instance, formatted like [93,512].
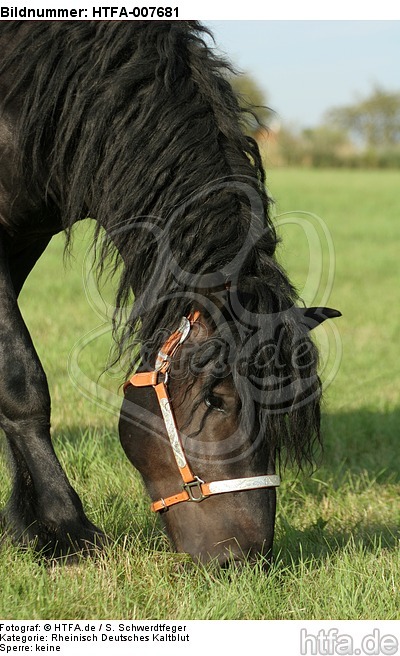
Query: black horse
[136,125]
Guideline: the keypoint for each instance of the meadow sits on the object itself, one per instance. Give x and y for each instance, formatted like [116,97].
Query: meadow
[337,552]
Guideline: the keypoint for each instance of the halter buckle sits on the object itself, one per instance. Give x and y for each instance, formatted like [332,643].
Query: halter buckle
[191,487]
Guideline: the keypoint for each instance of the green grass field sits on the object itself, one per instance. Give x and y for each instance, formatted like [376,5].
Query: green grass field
[337,552]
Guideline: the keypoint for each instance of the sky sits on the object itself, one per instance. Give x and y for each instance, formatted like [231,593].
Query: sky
[307,67]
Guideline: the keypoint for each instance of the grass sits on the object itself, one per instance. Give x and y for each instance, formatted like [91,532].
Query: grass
[337,534]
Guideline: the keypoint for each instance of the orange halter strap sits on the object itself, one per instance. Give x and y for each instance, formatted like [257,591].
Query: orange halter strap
[193,488]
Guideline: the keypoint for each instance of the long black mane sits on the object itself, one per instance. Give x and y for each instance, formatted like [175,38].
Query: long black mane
[136,125]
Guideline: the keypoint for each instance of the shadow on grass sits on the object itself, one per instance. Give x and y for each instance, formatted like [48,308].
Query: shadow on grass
[363,441]
[317,542]
[360,461]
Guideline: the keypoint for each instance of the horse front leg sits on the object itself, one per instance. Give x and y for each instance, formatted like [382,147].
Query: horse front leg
[43,509]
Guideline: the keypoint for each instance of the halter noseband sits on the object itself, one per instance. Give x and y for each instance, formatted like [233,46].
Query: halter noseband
[193,488]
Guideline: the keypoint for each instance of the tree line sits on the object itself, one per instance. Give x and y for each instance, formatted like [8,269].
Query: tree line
[363,134]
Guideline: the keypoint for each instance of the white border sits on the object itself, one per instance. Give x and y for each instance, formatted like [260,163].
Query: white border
[197,638]
[223,10]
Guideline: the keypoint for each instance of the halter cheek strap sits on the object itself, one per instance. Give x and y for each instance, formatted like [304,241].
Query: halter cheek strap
[193,488]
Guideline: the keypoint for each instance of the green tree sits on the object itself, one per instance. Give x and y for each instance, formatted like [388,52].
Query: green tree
[324,144]
[374,121]
[290,146]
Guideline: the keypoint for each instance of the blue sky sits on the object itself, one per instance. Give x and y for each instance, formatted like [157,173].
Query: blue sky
[307,67]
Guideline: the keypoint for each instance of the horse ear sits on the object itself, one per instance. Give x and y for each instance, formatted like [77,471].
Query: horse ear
[312,317]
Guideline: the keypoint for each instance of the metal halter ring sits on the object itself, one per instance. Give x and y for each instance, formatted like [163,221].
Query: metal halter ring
[190,487]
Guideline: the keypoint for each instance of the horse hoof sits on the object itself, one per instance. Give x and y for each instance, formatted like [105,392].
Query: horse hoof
[70,542]
[73,547]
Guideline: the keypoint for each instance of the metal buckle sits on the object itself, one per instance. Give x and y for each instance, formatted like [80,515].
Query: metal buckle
[196,484]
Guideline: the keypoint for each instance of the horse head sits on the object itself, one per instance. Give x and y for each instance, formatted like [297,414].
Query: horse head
[203,422]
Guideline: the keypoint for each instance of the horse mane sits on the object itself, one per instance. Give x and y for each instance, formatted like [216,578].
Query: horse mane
[137,126]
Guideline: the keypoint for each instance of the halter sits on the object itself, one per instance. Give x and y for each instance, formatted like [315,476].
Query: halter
[194,489]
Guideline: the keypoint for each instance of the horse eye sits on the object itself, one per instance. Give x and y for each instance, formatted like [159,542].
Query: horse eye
[214,402]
